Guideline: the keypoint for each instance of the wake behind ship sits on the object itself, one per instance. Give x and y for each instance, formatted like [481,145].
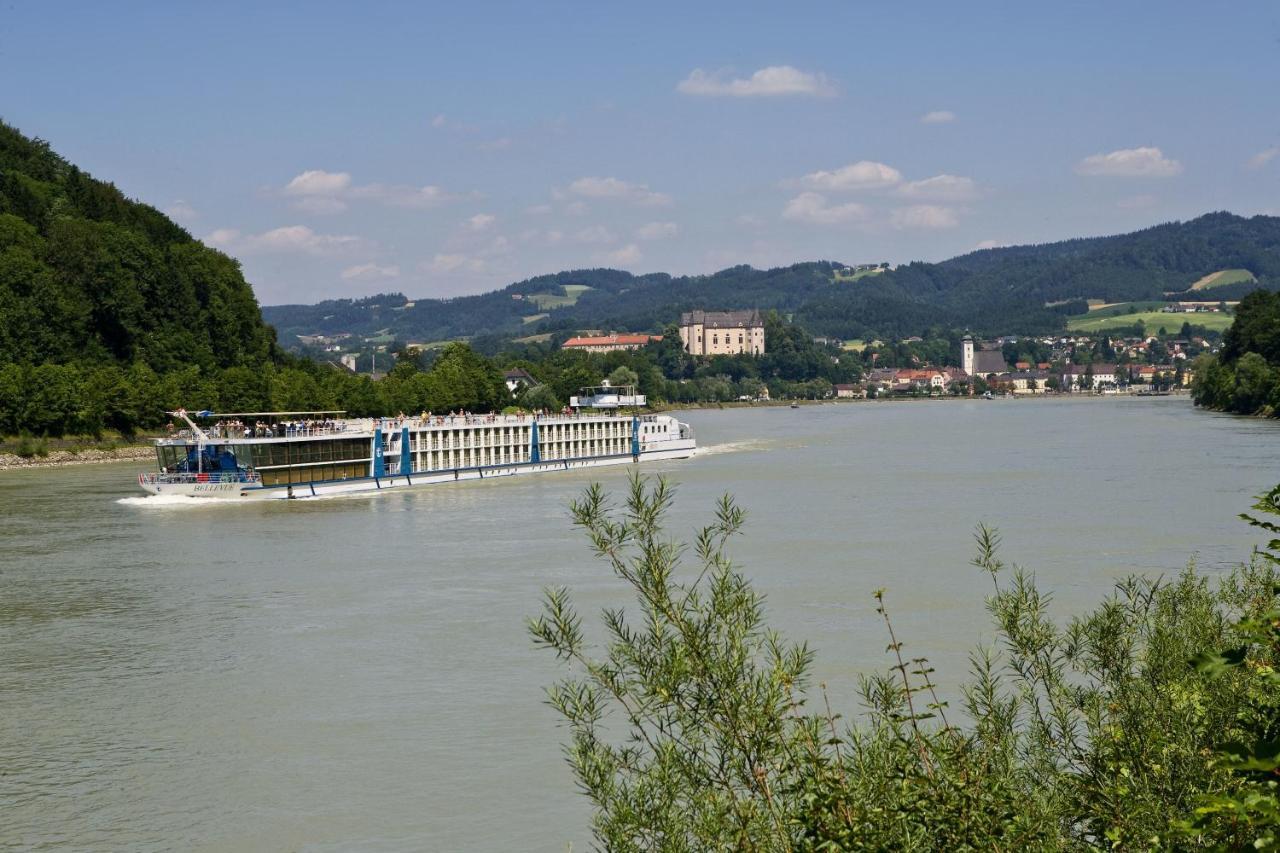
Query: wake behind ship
[309,454]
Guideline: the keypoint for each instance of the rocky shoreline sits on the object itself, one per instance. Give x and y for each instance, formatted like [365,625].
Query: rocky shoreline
[62,458]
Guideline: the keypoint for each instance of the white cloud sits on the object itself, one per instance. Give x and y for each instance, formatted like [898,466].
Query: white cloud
[613,188]
[320,205]
[298,239]
[1145,162]
[497,246]
[369,272]
[863,175]
[182,211]
[773,81]
[938,117]
[454,263]
[988,244]
[481,221]
[626,256]
[318,192]
[815,210]
[941,187]
[1136,202]
[222,237]
[318,182]
[1257,161]
[538,210]
[595,234]
[403,195]
[440,120]
[537,236]
[924,216]
[576,208]
[657,231]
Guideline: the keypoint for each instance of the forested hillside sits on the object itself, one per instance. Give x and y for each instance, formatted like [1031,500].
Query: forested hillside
[101,296]
[88,275]
[1022,289]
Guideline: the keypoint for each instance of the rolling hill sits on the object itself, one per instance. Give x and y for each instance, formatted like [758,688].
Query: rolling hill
[1018,289]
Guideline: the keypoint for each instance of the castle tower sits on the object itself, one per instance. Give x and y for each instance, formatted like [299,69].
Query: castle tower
[966,355]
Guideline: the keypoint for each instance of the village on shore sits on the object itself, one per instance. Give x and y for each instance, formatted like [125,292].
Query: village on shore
[1019,365]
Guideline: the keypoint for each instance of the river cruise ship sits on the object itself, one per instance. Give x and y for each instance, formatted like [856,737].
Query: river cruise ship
[258,455]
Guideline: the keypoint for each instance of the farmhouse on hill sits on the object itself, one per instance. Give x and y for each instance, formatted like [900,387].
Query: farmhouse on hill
[608,343]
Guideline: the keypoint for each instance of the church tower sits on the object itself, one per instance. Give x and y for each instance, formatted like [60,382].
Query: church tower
[966,355]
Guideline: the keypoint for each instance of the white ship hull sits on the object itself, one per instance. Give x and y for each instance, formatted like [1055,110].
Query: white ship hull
[216,488]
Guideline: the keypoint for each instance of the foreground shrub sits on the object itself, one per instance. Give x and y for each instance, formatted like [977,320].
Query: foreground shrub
[693,728]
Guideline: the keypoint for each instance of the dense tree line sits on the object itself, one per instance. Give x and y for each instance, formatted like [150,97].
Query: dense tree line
[73,399]
[1244,377]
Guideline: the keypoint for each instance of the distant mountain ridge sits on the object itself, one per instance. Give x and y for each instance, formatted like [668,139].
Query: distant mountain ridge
[1017,289]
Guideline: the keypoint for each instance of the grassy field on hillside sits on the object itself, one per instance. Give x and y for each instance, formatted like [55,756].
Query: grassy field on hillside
[1221,278]
[1099,321]
[854,345]
[533,318]
[548,301]
[1116,309]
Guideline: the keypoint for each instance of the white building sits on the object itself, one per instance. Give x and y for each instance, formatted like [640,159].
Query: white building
[1075,376]
[722,332]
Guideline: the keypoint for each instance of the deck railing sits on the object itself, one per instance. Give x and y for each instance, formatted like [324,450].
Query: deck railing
[248,477]
[363,426]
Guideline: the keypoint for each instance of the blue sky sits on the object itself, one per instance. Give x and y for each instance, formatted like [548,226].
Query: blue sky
[342,149]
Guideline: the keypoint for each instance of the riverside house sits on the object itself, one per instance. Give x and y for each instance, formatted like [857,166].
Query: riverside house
[1075,376]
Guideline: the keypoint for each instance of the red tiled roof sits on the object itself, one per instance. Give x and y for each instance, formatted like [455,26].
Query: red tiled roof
[611,340]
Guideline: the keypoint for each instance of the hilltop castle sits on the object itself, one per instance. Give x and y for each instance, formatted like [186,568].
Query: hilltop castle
[722,332]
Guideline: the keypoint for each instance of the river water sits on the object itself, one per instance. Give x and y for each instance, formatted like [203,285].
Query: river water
[354,674]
